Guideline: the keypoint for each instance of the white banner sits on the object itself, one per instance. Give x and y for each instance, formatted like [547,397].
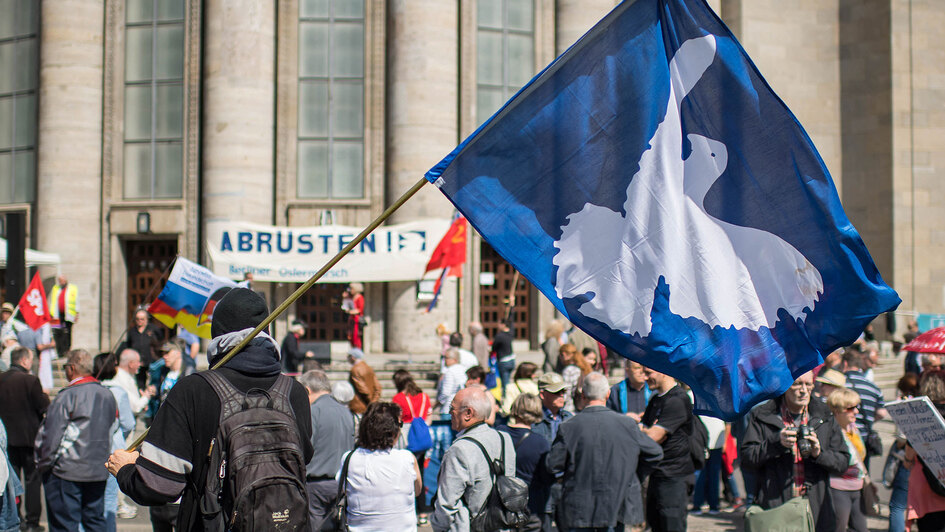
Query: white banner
[920,421]
[294,254]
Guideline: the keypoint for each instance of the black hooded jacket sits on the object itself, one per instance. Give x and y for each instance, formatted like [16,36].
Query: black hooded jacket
[173,461]
[761,450]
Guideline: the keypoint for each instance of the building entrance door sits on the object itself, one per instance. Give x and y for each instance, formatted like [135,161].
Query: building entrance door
[320,310]
[493,300]
[146,261]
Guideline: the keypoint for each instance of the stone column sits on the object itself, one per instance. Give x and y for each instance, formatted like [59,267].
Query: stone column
[239,119]
[423,126]
[574,17]
[68,169]
[797,49]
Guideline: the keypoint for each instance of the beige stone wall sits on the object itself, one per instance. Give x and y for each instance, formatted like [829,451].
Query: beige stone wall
[422,127]
[795,46]
[238,128]
[866,113]
[574,17]
[69,196]
[919,154]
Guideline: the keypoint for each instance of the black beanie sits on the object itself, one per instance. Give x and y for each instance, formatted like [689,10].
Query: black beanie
[239,309]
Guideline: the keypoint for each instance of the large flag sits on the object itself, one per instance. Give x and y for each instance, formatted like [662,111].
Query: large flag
[33,306]
[189,296]
[651,184]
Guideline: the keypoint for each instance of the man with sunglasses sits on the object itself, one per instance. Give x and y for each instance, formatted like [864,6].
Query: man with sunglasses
[551,391]
[789,464]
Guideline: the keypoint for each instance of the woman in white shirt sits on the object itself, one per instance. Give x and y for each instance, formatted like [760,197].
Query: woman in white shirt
[382,482]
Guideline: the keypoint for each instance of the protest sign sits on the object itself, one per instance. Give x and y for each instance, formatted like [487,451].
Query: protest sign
[923,425]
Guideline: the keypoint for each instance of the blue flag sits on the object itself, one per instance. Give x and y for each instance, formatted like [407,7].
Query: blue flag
[651,184]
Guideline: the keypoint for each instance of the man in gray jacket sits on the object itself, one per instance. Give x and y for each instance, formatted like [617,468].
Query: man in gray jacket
[332,437]
[599,447]
[72,447]
[464,482]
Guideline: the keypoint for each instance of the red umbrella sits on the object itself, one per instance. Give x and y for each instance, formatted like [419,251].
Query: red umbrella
[932,341]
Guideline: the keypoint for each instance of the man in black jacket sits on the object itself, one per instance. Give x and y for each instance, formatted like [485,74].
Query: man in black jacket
[785,466]
[174,458]
[22,406]
[599,447]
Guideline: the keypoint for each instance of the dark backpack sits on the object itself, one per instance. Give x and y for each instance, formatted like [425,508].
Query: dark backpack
[256,475]
[507,504]
[698,442]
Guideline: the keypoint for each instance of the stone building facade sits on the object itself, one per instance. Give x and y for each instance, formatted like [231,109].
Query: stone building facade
[293,112]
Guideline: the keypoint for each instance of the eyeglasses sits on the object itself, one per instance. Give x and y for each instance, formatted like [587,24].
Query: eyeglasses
[852,408]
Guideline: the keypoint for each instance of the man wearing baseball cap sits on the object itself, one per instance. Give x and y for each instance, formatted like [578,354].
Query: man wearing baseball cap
[551,391]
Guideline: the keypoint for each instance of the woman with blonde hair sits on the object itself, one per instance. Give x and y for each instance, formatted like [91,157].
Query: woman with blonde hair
[530,452]
[845,489]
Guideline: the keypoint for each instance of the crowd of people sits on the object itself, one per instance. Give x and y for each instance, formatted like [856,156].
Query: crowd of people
[593,455]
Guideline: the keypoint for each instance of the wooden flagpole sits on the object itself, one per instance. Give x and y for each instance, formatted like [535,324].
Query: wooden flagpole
[308,284]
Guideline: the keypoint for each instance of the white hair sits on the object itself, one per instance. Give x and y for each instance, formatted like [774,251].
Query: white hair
[342,391]
[127,355]
[595,387]
[452,354]
[476,400]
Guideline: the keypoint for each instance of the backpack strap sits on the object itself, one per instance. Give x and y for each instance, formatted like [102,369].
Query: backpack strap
[489,461]
[410,406]
[280,392]
[230,397]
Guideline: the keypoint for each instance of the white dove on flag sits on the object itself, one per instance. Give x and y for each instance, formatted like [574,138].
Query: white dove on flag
[722,274]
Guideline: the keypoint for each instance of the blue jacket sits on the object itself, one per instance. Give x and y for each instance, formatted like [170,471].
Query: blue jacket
[543,427]
[9,517]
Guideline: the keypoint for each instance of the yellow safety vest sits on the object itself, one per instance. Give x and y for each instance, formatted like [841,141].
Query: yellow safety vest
[72,302]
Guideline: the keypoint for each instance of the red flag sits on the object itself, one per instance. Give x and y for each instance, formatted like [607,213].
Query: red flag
[451,251]
[33,306]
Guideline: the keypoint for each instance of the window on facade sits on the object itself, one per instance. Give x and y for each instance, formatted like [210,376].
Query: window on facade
[154,99]
[505,52]
[19,68]
[331,99]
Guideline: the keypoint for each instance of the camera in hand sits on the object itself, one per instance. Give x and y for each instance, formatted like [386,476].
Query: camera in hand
[803,444]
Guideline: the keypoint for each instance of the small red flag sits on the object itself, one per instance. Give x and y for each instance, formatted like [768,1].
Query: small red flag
[33,306]
[451,251]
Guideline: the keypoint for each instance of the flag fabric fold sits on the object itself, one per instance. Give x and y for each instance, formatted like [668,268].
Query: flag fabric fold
[651,184]
[189,296]
[450,255]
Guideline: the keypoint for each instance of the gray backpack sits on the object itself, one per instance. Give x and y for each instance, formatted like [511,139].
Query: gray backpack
[256,475]
[506,506]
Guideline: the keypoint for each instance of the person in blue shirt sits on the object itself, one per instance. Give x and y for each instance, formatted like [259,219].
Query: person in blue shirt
[631,395]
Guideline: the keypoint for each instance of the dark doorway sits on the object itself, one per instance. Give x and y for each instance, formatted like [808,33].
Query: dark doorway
[147,260]
[320,310]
